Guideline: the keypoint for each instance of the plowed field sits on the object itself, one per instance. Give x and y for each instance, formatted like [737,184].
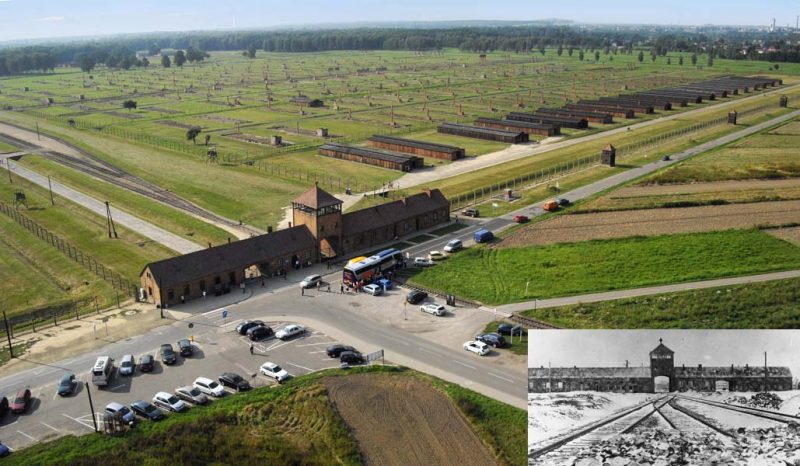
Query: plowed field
[403,421]
[649,222]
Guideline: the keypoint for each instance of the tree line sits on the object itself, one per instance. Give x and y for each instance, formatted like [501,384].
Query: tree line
[120,52]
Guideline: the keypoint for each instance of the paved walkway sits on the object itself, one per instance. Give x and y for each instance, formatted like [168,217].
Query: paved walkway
[519,151]
[651,290]
[144,228]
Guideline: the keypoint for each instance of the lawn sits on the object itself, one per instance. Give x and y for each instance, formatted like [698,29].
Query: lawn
[294,423]
[759,305]
[501,275]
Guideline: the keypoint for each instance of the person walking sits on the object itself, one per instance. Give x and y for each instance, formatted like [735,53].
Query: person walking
[341,288]
[251,349]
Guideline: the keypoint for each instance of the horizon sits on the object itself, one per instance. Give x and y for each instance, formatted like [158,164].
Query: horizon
[50,20]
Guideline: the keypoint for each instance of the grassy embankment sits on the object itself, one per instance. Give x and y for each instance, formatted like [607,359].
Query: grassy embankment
[292,424]
[758,305]
[501,275]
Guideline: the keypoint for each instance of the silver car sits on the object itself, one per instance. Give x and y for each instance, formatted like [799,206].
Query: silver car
[191,394]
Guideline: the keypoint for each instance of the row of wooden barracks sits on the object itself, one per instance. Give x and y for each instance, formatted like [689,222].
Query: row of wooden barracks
[319,231]
[661,376]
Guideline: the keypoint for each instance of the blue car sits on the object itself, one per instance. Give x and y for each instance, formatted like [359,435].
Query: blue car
[4,450]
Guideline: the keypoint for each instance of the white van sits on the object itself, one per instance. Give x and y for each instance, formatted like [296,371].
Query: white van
[102,371]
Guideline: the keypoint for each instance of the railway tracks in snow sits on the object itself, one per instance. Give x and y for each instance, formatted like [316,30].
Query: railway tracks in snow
[667,409]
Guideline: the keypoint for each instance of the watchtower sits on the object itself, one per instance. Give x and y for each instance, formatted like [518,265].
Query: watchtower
[322,214]
[609,156]
[662,367]
[783,102]
[732,117]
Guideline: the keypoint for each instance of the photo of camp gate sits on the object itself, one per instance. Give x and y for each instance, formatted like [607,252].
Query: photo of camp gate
[675,397]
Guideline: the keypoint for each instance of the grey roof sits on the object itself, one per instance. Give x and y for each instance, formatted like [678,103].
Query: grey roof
[229,256]
[369,152]
[479,129]
[588,372]
[515,123]
[316,198]
[392,212]
[412,143]
[735,371]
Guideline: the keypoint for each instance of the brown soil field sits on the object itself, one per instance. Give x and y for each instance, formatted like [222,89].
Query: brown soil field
[649,222]
[789,234]
[403,420]
[710,187]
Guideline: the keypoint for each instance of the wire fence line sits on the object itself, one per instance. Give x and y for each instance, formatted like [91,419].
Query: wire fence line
[117,281]
[528,180]
[50,315]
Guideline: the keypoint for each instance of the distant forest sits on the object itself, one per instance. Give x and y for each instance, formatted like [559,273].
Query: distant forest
[121,52]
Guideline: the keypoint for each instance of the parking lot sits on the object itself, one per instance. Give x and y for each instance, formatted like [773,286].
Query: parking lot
[223,350]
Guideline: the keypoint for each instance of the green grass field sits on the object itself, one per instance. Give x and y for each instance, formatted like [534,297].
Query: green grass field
[294,423]
[758,305]
[501,275]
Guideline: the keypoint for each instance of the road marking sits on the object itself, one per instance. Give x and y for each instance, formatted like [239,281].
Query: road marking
[10,424]
[312,344]
[48,425]
[79,421]
[317,352]
[278,344]
[463,364]
[246,370]
[23,433]
[117,386]
[501,377]
[301,367]
[427,351]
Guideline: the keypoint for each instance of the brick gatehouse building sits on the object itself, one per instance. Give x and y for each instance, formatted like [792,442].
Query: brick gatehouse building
[319,231]
[661,376]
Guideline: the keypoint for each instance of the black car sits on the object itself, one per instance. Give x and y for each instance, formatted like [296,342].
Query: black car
[351,357]
[67,385]
[416,296]
[229,379]
[563,202]
[242,328]
[335,351]
[259,332]
[491,339]
[185,347]
[3,406]
[146,363]
[471,213]
[168,355]
[505,329]
[147,410]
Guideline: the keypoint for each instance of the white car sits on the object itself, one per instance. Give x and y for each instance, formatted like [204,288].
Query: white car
[436,256]
[478,347]
[453,245]
[373,289]
[310,281]
[169,401]
[126,365]
[209,387]
[270,369]
[289,331]
[422,262]
[433,308]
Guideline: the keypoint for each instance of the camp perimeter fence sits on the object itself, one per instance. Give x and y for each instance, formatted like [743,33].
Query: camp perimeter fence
[49,315]
[120,284]
[256,161]
[488,192]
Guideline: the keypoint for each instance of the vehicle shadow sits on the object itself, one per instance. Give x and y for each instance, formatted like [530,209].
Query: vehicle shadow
[196,354]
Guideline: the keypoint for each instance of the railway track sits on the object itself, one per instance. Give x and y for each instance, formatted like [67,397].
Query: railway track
[757,412]
[104,171]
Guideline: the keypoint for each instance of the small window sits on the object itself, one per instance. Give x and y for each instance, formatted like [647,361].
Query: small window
[170,294]
[406,226]
[148,275]
[217,280]
[322,228]
[436,215]
[202,285]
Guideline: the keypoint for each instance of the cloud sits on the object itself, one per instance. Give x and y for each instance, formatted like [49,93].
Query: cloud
[51,19]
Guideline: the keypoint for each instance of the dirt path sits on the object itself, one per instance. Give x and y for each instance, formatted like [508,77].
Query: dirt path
[789,234]
[620,224]
[77,159]
[403,420]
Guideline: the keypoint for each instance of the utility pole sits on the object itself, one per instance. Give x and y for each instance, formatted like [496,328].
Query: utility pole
[8,167]
[111,227]
[8,335]
[50,185]
[37,132]
[765,371]
[91,407]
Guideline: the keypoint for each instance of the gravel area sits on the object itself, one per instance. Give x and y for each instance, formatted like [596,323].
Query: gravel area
[650,222]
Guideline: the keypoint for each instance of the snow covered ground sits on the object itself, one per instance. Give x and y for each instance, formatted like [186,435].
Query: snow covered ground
[791,399]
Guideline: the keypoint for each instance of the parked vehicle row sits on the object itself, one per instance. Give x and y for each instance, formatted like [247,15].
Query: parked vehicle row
[346,354]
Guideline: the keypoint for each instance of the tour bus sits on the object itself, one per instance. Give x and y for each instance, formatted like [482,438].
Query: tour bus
[356,259]
[372,267]
[101,372]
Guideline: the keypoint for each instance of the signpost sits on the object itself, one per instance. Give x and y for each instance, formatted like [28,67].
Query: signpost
[375,356]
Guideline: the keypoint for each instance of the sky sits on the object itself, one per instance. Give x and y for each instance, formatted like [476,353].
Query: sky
[611,348]
[27,19]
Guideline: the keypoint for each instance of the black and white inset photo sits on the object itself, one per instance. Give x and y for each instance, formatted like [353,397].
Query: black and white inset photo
[663,397]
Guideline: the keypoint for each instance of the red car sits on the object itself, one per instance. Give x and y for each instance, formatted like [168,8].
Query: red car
[21,401]
[520,219]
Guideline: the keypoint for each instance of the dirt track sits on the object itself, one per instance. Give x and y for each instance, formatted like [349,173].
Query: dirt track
[402,420]
[647,222]
[710,187]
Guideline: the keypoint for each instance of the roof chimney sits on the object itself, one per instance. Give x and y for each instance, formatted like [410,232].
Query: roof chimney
[427,191]
[229,240]
[209,244]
